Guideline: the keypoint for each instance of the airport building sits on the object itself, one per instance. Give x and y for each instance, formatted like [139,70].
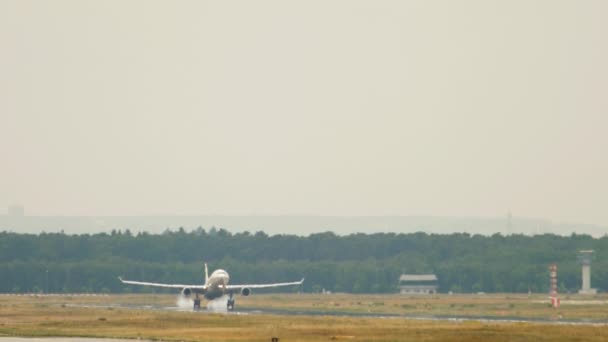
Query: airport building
[585,257]
[418,284]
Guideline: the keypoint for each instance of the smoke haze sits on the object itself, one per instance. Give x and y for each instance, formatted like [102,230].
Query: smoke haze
[336,108]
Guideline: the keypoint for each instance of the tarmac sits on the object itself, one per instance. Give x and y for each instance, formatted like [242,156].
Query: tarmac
[258,311]
[59,339]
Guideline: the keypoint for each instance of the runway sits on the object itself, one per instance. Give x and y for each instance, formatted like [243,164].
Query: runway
[279,312]
[60,339]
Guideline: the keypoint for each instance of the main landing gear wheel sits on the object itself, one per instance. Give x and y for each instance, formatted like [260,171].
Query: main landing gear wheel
[230,305]
[197,303]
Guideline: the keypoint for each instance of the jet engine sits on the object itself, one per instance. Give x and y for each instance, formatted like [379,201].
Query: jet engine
[186,292]
[245,291]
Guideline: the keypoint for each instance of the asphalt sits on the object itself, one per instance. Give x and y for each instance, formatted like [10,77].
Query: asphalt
[266,311]
[59,339]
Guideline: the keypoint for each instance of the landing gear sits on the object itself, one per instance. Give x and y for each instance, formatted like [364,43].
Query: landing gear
[230,305]
[197,303]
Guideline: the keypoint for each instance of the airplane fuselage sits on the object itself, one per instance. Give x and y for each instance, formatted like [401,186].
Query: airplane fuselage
[216,284]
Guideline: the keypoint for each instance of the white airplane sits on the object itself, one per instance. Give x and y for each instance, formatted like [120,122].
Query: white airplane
[215,286]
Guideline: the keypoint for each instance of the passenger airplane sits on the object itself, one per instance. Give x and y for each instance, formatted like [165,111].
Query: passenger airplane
[214,287]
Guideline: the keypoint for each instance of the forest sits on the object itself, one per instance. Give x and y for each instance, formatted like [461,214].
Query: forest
[356,263]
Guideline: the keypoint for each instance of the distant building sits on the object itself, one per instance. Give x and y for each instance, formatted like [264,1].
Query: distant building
[418,284]
[585,257]
[16,211]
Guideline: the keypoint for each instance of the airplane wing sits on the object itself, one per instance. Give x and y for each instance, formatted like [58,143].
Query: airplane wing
[261,286]
[174,286]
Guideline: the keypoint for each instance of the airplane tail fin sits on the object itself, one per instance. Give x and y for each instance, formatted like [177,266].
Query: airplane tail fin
[206,274]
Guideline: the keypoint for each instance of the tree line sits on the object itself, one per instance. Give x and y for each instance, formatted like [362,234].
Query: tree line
[358,263]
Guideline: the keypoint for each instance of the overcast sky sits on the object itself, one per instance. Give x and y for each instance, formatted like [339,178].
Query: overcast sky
[455,108]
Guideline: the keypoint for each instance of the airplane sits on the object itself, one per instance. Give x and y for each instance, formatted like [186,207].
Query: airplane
[215,286]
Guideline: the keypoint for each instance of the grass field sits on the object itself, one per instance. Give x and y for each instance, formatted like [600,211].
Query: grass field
[64,316]
[498,306]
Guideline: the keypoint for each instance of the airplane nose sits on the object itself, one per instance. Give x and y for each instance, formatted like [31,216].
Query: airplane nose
[224,282]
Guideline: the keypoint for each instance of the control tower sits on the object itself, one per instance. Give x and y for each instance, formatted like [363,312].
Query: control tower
[585,257]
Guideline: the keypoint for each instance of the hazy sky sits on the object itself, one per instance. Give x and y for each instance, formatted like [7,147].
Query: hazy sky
[460,108]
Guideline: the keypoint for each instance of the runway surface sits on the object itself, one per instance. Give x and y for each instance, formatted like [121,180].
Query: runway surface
[261,311]
[59,339]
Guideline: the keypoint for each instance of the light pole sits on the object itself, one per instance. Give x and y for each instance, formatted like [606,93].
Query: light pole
[47,281]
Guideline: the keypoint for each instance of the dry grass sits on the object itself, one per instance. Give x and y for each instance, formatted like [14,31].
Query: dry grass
[495,305]
[21,316]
